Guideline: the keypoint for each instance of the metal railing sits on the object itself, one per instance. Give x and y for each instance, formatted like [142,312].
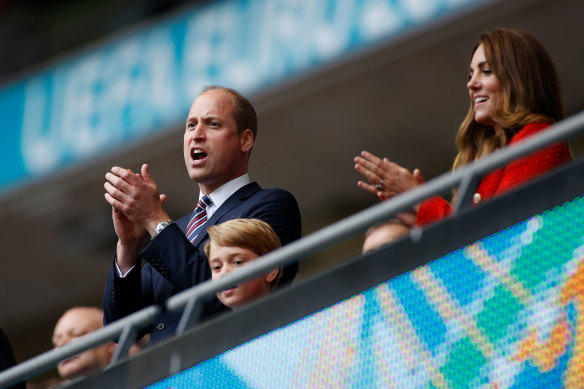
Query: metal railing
[466,178]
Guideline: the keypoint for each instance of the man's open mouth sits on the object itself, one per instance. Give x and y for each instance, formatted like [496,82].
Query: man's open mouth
[199,154]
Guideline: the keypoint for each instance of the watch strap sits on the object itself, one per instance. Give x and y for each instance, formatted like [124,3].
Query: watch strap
[161,226]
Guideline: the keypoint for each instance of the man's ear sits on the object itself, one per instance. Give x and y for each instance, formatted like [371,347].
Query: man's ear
[271,276]
[246,139]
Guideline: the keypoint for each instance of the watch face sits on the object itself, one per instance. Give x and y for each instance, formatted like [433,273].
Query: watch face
[161,226]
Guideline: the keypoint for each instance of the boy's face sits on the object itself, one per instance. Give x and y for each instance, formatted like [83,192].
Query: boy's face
[222,260]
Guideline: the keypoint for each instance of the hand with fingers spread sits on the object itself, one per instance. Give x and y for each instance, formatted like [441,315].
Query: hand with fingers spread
[385,179]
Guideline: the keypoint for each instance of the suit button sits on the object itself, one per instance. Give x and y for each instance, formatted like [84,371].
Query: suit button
[476,198]
[160,326]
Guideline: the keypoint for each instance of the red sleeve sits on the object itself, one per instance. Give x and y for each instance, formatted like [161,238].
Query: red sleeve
[433,209]
[515,173]
[533,165]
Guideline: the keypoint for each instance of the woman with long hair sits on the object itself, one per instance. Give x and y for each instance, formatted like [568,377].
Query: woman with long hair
[514,93]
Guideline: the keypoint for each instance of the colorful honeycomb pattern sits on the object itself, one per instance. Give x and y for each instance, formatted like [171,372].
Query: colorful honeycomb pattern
[504,312]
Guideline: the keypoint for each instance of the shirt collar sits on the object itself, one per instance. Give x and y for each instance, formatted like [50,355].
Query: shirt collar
[219,195]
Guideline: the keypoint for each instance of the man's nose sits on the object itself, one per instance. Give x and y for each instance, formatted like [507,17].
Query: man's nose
[62,341]
[199,131]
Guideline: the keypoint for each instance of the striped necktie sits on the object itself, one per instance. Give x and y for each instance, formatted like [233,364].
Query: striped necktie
[199,218]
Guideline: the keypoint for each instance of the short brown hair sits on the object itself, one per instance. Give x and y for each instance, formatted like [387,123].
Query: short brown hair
[243,111]
[252,234]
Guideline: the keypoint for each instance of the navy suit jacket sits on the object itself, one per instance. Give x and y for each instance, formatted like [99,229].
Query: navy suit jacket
[173,264]
[7,359]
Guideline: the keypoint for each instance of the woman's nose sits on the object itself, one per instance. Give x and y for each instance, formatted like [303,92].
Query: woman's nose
[472,83]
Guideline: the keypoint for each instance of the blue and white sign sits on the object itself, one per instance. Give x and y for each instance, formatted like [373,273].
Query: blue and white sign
[132,87]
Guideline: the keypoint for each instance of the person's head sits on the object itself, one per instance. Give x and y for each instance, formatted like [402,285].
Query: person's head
[234,243]
[75,323]
[382,234]
[512,82]
[220,131]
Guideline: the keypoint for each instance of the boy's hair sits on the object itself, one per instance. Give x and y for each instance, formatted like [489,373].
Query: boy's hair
[252,234]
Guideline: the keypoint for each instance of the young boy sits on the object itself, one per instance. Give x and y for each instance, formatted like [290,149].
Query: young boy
[234,243]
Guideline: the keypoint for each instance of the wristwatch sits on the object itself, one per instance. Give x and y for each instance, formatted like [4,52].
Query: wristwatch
[161,226]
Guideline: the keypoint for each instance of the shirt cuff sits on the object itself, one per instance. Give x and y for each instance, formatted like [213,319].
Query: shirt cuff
[119,272]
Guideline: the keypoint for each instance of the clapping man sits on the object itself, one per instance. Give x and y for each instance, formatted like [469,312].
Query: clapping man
[220,132]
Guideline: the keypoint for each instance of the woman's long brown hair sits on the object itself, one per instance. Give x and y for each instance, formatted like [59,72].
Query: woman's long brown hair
[531,93]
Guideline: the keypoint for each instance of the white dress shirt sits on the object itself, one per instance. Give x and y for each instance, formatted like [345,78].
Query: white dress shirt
[221,194]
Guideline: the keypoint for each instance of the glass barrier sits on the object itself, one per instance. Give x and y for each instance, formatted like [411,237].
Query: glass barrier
[502,312]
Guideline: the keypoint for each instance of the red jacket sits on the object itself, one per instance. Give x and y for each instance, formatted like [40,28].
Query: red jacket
[501,180]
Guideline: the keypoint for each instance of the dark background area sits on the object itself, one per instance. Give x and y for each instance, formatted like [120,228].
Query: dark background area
[34,32]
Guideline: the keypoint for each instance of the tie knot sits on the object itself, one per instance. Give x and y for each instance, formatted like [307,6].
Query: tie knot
[204,202]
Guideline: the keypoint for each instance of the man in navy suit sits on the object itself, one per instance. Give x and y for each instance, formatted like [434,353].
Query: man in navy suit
[220,132]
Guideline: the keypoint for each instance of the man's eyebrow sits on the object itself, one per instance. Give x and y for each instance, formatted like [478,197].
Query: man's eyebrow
[206,117]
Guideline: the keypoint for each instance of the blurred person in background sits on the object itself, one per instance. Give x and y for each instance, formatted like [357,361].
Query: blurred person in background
[72,325]
[514,93]
[381,234]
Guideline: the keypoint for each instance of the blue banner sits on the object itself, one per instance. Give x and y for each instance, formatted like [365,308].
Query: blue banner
[144,82]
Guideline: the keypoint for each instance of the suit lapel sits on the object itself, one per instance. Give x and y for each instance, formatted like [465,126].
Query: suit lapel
[242,194]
